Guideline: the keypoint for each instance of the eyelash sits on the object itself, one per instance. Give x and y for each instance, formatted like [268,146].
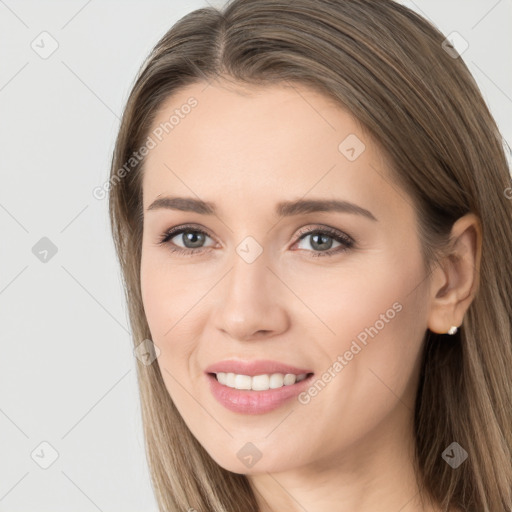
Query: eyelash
[346,241]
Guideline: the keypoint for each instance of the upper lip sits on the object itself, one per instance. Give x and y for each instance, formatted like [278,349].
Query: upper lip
[254,367]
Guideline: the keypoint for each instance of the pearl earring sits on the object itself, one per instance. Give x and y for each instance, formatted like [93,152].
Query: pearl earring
[452,330]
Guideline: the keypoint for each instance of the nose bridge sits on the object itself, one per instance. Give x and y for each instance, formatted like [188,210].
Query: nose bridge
[249,305]
[249,275]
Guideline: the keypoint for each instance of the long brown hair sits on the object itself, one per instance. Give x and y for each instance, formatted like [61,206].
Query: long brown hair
[395,73]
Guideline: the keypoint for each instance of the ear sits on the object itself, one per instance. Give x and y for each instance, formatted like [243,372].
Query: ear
[454,283]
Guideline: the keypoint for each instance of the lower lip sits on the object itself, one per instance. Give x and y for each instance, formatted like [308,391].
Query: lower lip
[247,401]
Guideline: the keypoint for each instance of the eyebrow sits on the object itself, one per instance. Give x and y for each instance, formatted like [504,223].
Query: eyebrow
[283,209]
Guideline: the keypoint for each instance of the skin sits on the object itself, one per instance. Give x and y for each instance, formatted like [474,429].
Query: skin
[246,149]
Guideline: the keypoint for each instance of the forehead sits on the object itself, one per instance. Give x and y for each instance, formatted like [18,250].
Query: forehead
[231,117]
[259,142]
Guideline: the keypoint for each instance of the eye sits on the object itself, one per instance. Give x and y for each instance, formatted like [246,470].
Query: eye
[321,241]
[191,238]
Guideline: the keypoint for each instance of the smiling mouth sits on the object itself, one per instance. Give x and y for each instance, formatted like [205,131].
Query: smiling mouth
[263,382]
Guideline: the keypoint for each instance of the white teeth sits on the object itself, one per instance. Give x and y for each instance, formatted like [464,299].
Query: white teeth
[289,379]
[242,382]
[276,380]
[259,382]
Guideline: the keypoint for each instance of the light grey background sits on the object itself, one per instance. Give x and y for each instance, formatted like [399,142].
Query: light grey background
[67,372]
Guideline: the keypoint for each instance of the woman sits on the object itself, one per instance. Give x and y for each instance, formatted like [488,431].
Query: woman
[308,201]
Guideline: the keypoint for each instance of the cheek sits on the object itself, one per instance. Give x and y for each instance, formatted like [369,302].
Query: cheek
[376,319]
[172,301]
[168,295]
[345,300]
[172,298]
[155,295]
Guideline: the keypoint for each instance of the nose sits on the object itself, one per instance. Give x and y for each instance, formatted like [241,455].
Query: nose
[252,303]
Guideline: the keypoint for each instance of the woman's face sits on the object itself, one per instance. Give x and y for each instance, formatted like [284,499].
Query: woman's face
[267,271]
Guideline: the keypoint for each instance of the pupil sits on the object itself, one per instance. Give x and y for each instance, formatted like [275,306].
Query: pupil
[321,245]
[194,238]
